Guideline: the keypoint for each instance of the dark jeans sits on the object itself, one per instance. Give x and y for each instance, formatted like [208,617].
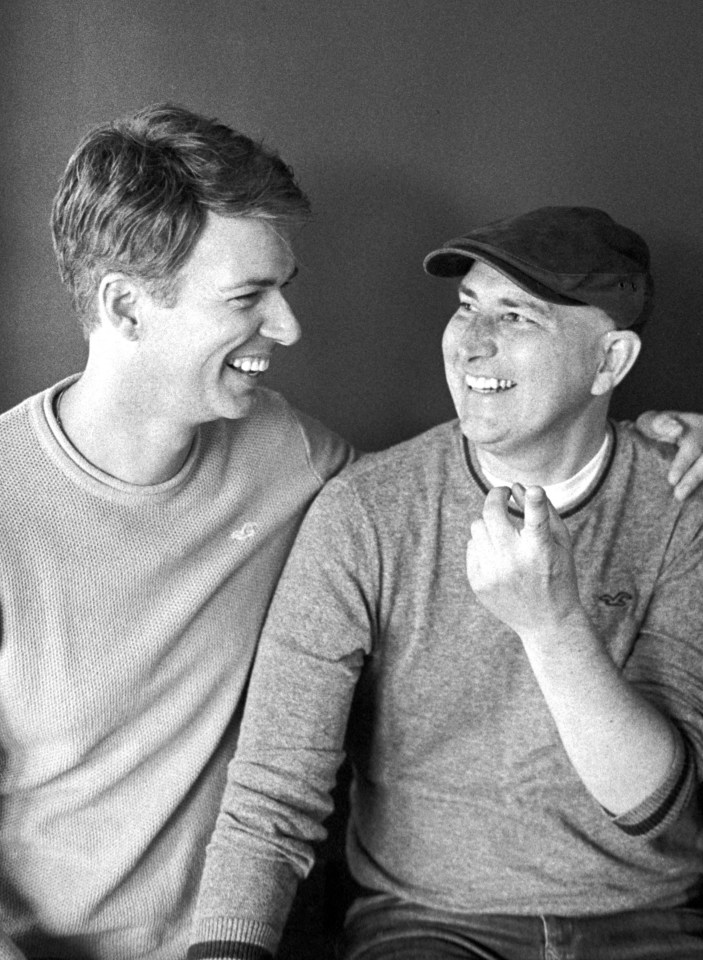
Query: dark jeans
[382,928]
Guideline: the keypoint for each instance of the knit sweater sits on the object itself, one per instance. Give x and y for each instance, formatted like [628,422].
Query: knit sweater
[463,796]
[130,616]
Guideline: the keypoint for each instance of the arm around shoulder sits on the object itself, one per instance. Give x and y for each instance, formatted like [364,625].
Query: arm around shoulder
[685,430]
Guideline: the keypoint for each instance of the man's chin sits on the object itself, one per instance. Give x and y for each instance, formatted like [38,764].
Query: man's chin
[482,434]
[236,408]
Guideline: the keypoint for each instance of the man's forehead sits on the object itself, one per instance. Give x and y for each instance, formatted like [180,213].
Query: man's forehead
[235,251]
[483,278]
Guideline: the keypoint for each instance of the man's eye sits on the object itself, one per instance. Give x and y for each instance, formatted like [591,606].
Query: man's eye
[465,306]
[512,317]
[244,299]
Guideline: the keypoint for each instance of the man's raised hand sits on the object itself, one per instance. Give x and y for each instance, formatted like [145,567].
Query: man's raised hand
[523,573]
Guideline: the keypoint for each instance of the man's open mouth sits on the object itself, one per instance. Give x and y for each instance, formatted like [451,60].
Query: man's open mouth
[488,384]
[250,365]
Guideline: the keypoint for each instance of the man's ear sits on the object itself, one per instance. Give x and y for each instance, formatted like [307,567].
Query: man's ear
[118,301]
[619,350]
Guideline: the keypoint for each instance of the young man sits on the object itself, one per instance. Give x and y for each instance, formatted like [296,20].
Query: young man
[522,677]
[148,506]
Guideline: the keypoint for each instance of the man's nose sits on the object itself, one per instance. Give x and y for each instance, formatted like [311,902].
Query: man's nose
[477,337]
[280,323]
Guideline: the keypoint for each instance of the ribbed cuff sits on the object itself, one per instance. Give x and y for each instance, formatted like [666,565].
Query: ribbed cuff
[227,938]
[664,806]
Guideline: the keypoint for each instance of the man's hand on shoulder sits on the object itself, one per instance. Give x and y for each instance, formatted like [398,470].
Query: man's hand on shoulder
[686,431]
[524,574]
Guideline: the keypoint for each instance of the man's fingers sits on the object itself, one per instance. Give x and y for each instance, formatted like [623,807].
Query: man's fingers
[543,525]
[686,431]
[499,526]
[537,514]
[518,492]
[688,482]
[479,534]
[478,550]
[687,460]
[493,531]
[660,426]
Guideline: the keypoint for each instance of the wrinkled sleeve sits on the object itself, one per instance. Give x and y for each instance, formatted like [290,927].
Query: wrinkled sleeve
[326,451]
[318,632]
[667,667]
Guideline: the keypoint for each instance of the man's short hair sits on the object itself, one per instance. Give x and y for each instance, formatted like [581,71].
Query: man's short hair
[136,193]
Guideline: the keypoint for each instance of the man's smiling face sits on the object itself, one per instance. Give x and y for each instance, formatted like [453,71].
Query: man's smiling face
[203,354]
[520,370]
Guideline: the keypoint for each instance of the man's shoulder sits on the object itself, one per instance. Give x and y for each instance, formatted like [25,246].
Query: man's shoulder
[15,417]
[407,468]
[270,413]
[645,461]
[639,476]
[644,448]
[18,429]
[393,492]
[281,433]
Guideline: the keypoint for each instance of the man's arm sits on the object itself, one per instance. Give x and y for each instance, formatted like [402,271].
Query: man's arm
[621,746]
[292,737]
[686,431]
[8,951]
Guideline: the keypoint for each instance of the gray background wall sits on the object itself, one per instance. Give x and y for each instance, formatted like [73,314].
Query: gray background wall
[406,121]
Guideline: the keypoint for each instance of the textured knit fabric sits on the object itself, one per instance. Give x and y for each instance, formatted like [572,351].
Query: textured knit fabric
[130,615]
[463,796]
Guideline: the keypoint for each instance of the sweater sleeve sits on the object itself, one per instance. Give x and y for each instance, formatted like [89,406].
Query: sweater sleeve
[666,667]
[665,805]
[8,950]
[327,452]
[278,792]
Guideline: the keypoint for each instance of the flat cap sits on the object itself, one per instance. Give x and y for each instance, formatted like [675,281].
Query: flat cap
[569,255]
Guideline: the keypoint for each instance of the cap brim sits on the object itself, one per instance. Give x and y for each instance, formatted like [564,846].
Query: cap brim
[453,261]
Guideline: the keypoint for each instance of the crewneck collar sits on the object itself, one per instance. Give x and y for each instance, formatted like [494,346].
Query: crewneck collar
[73,463]
[567,496]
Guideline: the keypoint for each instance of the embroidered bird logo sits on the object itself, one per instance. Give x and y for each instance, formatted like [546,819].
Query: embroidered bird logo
[245,532]
[620,599]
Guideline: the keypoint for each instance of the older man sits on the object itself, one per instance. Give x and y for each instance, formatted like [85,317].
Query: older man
[148,506]
[527,740]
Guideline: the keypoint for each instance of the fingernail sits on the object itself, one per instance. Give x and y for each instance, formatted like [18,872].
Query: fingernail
[668,423]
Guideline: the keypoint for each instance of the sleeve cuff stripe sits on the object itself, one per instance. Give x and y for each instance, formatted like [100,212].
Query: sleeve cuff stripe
[659,815]
[228,950]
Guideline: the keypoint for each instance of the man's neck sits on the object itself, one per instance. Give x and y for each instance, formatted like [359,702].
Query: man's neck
[543,465]
[566,493]
[110,429]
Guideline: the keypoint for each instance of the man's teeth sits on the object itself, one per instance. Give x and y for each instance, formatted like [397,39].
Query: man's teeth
[250,364]
[487,384]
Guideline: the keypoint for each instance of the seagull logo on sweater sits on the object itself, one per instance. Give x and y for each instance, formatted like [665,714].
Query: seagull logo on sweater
[620,599]
[245,532]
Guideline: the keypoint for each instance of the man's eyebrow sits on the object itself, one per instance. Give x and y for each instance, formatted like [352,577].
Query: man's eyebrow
[532,303]
[261,281]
